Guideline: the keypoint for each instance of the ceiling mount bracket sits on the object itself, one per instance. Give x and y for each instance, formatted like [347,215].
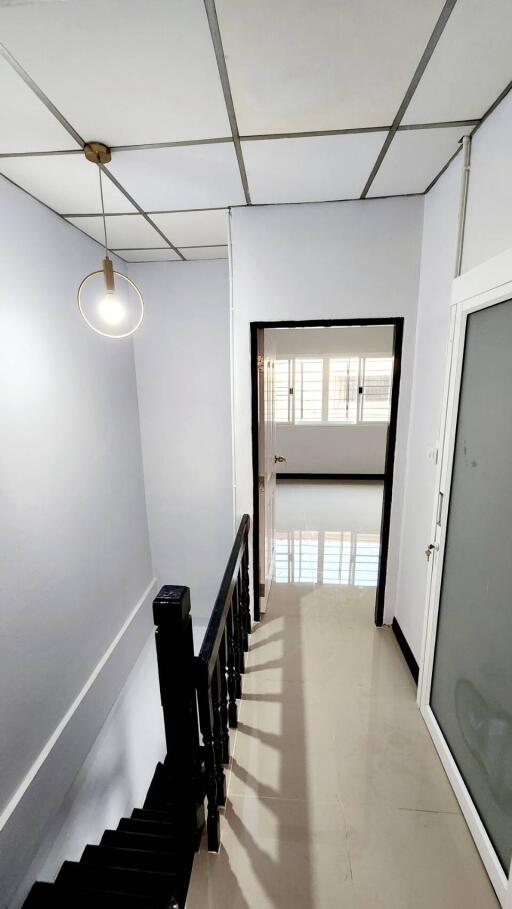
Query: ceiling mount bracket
[97,152]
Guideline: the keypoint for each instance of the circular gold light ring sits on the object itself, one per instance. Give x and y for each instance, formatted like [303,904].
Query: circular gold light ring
[105,334]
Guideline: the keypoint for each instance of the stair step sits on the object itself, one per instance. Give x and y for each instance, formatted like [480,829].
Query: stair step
[159,828]
[159,788]
[40,895]
[48,896]
[152,814]
[88,879]
[101,856]
[148,842]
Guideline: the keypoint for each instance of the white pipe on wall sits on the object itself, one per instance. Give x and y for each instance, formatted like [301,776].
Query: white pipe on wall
[464,185]
[232,370]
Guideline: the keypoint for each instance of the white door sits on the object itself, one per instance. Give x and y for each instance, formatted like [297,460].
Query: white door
[266,462]
[465,691]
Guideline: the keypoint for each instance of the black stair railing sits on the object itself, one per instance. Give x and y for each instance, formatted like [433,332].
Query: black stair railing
[218,670]
[183,766]
[147,861]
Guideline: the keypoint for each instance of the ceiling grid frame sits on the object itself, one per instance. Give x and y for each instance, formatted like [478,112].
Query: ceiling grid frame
[213,22]
[469,125]
[24,75]
[420,69]
[223,140]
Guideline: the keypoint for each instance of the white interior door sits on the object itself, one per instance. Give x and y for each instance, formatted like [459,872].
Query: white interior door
[267,463]
[465,691]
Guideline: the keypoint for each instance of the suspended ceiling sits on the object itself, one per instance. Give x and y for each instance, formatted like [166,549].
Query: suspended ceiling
[210,105]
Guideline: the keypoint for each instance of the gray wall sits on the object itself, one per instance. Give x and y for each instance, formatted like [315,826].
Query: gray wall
[182,358]
[488,232]
[330,260]
[73,531]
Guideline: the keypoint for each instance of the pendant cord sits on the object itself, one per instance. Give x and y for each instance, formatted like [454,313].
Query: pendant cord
[103,213]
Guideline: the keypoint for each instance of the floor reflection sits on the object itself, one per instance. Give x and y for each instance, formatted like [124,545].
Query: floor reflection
[328,533]
[327,557]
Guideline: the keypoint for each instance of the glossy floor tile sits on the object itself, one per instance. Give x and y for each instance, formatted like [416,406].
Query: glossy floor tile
[336,796]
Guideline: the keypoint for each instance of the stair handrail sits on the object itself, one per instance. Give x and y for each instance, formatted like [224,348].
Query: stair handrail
[218,670]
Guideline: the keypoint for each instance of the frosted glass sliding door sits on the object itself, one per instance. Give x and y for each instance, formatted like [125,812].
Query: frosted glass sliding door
[471,683]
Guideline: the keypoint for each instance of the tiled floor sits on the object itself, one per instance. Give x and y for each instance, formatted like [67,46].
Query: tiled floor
[336,796]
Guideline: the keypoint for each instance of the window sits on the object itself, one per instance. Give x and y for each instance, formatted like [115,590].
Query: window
[343,390]
[283,392]
[376,389]
[308,390]
[333,390]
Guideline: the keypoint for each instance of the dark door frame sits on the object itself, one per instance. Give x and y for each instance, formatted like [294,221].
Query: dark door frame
[398,325]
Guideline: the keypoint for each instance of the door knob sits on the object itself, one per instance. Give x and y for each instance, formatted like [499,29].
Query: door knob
[278,459]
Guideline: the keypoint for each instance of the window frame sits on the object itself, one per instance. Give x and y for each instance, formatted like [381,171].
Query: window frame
[326,358]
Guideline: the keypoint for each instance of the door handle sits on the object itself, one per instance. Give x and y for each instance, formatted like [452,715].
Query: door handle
[278,459]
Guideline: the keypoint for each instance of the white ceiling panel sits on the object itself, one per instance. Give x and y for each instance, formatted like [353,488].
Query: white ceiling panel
[122,71]
[194,228]
[25,124]
[205,252]
[195,176]
[470,66]
[122,231]
[328,64]
[67,183]
[315,169]
[413,160]
[149,255]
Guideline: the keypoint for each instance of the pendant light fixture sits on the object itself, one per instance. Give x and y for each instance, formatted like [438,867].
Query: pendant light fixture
[109,301]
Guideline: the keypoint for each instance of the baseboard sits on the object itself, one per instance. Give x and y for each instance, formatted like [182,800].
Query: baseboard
[366,477]
[409,657]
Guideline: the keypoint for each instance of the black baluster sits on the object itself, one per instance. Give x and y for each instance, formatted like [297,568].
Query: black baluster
[246,596]
[231,668]
[224,698]
[206,720]
[182,772]
[241,623]
[235,606]
[217,736]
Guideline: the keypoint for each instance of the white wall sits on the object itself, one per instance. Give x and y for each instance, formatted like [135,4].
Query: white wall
[182,357]
[332,449]
[113,778]
[437,265]
[488,232]
[331,260]
[73,530]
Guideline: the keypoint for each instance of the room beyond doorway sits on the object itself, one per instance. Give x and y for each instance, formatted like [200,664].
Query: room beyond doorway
[327,397]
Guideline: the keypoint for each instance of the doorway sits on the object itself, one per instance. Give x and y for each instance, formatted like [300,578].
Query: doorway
[350,372]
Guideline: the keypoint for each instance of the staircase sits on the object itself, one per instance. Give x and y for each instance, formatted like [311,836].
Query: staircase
[147,861]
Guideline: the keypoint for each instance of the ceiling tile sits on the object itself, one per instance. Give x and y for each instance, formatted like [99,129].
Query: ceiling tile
[194,228]
[413,160]
[196,176]
[328,64]
[25,123]
[149,255]
[205,252]
[310,170]
[470,65]
[122,231]
[67,183]
[122,72]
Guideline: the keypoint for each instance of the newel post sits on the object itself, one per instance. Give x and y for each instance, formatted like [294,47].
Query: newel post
[175,656]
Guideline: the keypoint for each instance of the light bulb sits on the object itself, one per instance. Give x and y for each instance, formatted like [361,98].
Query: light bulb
[110,309]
